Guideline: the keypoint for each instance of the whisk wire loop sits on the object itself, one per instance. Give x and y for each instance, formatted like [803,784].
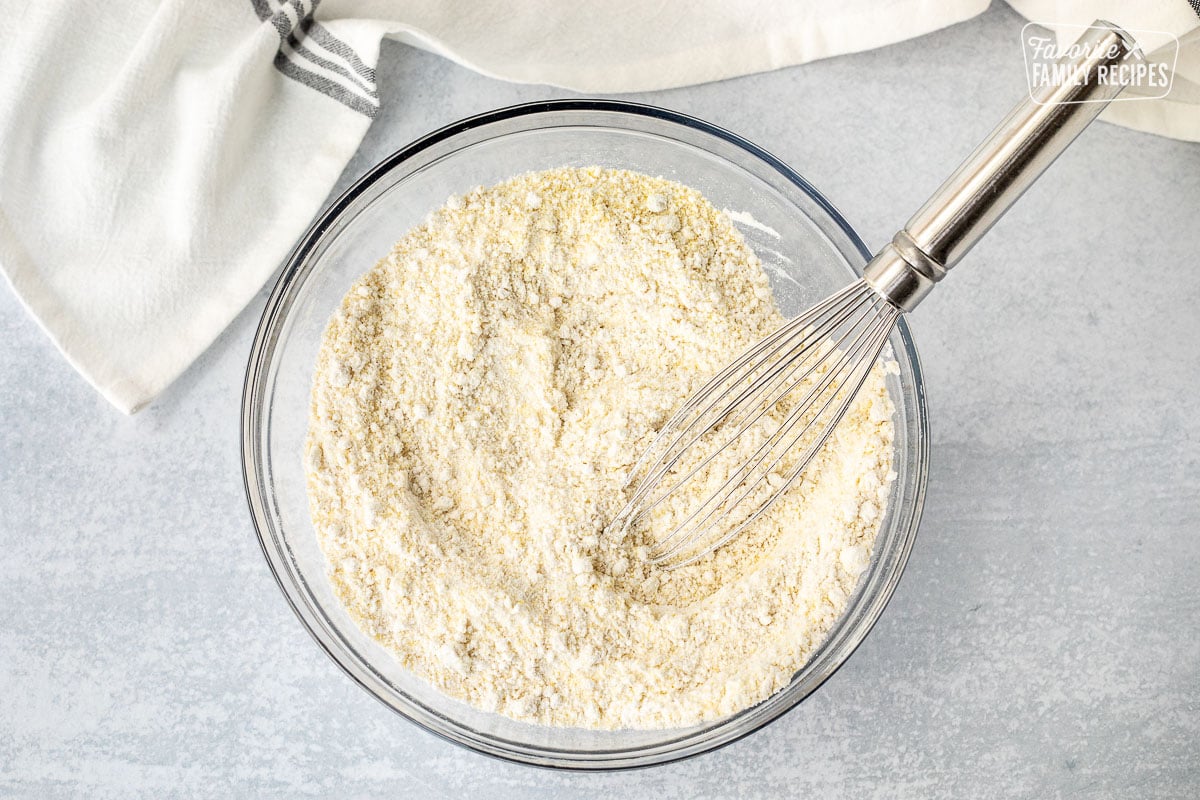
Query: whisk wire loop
[827,354]
[865,359]
[775,342]
[763,385]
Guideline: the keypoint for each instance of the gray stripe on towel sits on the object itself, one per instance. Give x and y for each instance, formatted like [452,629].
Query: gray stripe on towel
[321,35]
[355,81]
[325,86]
[358,93]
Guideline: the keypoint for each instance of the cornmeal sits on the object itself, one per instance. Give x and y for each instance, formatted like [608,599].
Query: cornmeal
[479,398]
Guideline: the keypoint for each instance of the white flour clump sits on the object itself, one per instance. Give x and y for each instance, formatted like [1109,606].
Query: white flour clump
[479,397]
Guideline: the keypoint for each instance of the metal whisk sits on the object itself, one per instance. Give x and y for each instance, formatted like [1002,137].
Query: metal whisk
[772,410]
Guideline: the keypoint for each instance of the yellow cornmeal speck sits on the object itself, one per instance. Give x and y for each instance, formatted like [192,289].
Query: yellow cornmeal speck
[478,400]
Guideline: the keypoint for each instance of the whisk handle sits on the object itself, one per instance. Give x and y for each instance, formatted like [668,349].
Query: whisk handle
[1007,163]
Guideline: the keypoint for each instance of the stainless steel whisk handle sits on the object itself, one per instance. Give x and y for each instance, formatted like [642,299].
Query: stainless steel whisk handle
[999,171]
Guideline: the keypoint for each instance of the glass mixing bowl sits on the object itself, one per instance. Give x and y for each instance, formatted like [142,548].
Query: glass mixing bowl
[809,251]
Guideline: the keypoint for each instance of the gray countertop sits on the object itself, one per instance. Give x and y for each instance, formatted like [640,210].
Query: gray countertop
[1043,642]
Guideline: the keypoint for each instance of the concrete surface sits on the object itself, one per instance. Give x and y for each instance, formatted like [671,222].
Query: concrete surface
[1043,643]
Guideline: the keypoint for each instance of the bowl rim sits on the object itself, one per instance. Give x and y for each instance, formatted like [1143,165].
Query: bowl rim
[265,335]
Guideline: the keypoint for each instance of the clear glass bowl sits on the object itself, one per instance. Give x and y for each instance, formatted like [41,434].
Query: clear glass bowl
[809,251]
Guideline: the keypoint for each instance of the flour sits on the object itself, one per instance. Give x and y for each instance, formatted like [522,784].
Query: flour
[479,397]
[747,219]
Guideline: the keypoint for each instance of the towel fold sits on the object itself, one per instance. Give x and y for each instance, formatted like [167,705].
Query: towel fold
[160,159]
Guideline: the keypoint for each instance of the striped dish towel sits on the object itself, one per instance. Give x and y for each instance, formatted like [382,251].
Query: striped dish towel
[149,149]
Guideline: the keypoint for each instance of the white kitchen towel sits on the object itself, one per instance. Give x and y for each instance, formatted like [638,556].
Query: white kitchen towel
[158,159]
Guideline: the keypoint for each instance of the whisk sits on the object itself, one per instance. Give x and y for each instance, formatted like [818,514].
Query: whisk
[782,399]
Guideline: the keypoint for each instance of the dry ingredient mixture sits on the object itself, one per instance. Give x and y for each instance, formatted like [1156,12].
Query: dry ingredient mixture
[479,397]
